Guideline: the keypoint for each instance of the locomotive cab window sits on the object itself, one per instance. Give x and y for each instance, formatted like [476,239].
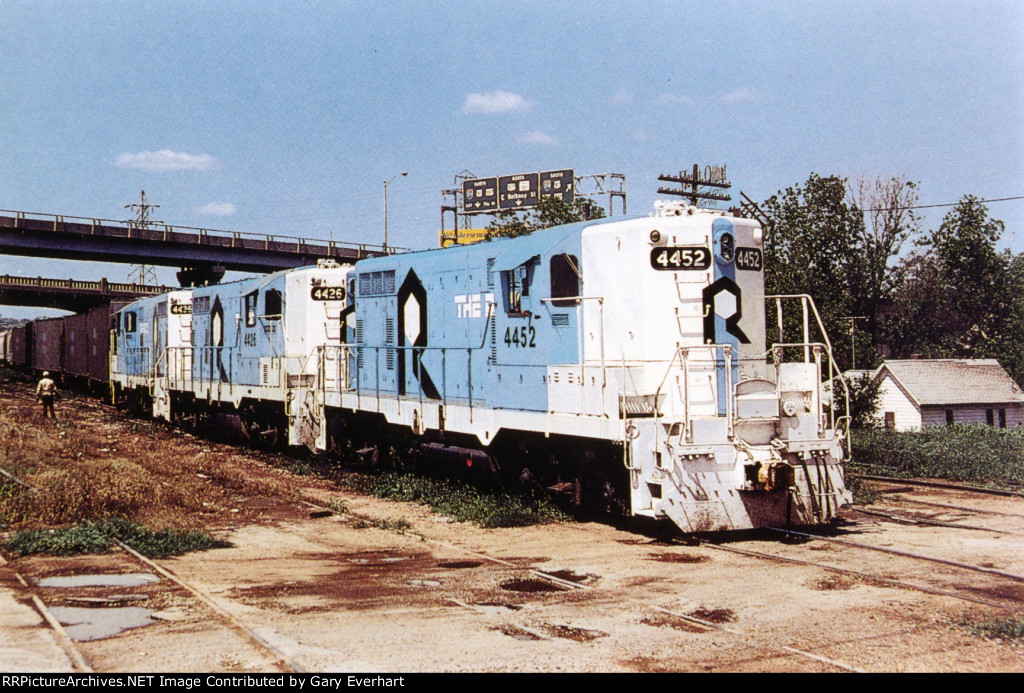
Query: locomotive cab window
[273,305]
[566,280]
[131,322]
[250,309]
[517,283]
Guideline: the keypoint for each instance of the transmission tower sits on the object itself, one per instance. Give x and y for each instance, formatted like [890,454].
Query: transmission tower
[142,274]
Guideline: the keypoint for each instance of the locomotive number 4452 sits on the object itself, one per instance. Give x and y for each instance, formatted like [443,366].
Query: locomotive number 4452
[694,257]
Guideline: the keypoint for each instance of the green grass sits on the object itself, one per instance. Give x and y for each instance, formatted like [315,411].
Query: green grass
[98,537]
[980,455]
[456,500]
[1007,628]
[862,495]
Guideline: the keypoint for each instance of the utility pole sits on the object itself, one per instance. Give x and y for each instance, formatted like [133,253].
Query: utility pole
[853,337]
[692,184]
[386,184]
[142,274]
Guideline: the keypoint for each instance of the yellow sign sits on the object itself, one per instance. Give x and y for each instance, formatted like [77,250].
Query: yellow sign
[450,237]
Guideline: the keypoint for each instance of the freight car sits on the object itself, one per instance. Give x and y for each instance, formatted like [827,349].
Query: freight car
[624,362]
[75,346]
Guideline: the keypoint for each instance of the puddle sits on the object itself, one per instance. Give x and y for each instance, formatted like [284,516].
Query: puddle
[84,624]
[495,607]
[571,633]
[570,576]
[517,633]
[662,621]
[678,557]
[423,583]
[123,580]
[460,564]
[112,600]
[529,585]
[714,615]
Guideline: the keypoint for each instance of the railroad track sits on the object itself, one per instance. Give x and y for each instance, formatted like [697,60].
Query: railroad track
[274,659]
[758,640]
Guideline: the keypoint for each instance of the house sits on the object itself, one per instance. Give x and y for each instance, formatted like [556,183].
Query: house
[930,392]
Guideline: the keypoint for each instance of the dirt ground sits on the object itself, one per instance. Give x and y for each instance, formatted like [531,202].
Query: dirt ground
[327,593]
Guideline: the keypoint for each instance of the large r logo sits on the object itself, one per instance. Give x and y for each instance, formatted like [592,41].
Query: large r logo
[732,319]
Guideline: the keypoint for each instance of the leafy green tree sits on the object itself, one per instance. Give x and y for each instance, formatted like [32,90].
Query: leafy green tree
[839,242]
[864,400]
[950,303]
[962,296]
[810,248]
[550,211]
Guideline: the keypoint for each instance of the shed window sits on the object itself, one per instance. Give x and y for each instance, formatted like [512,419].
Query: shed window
[990,417]
[1002,418]
[890,420]
[565,279]
[949,417]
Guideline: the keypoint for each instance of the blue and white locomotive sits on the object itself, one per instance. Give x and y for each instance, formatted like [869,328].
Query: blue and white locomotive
[621,361]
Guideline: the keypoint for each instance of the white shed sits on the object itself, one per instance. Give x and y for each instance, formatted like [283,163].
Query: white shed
[929,392]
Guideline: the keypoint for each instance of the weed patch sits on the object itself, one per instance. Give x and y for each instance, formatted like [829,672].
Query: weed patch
[981,455]
[458,501]
[1006,628]
[98,537]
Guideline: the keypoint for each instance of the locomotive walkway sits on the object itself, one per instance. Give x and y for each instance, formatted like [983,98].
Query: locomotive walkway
[69,294]
[203,254]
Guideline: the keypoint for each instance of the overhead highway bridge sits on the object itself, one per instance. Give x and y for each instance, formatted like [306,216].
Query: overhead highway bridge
[69,294]
[202,254]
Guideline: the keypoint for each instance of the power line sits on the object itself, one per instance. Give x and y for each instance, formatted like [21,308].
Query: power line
[949,204]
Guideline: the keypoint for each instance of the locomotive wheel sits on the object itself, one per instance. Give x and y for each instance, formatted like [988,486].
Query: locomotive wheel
[265,430]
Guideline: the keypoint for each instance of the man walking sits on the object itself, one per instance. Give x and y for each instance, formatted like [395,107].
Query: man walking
[46,390]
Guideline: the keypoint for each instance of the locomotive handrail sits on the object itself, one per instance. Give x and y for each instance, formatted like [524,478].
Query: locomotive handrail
[807,301]
[682,353]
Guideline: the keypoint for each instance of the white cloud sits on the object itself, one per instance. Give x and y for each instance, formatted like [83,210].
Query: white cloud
[741,94]
[218,209]
[676,98]
[623,97]
[166,160]
[537,137]
[495,102]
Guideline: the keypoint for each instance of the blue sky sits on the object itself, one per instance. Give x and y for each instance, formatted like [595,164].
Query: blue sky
[287,117]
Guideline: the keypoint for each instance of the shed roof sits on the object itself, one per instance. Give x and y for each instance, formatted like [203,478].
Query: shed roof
[953,381]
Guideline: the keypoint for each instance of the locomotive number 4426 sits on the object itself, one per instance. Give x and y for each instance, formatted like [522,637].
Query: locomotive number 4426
[694,257]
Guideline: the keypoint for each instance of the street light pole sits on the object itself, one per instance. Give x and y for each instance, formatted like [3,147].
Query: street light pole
[386,184]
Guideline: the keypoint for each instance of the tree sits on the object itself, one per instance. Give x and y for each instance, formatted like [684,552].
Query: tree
[550,211]
[865,396]
[962,297]
[887,205]
[839,243]
[810,248]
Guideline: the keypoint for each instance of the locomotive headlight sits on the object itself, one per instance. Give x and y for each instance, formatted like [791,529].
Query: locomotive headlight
[655,236]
